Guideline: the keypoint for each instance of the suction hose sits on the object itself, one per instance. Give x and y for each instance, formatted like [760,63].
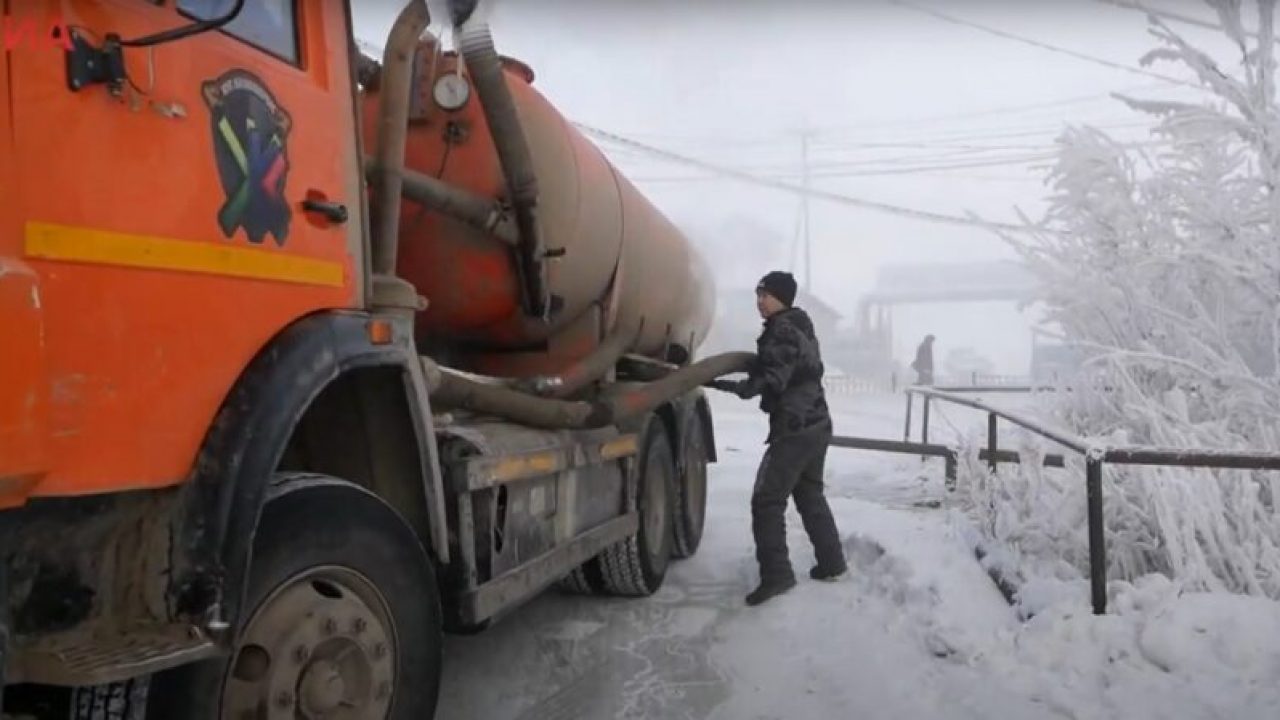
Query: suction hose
[590,368]
[451,389]
[641,399]
[393,129]
[485,66]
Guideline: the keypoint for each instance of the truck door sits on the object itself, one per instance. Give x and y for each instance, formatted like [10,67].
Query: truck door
[178,225]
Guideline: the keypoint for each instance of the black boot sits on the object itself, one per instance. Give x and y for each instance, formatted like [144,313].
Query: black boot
[817,572]
[768,589]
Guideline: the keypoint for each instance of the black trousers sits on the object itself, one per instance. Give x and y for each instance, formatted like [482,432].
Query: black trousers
[792,467]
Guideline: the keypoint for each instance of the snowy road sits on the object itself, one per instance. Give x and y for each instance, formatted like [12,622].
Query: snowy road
[917,630]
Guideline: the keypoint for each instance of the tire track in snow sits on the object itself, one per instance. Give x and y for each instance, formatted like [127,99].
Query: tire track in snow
[601,658]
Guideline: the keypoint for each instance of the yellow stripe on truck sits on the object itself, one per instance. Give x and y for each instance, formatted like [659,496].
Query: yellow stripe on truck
[88,245]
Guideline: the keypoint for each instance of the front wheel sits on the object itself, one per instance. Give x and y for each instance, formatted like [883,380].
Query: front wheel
[342,619]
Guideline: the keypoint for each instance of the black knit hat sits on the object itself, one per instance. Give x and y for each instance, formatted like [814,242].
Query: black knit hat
[779,284]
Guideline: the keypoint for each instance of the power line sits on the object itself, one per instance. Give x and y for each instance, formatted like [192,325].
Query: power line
[917,132]
[687,179]
[992,154]
[900,211]
[951,149]
[901,165]
[1012,132]
[1176,17]
[877,166]
[1008,109]
[1036,43]
[865,155]
[1130,5]
[920,124]
[921,169]
[891,166]
[909,169]
[840,165]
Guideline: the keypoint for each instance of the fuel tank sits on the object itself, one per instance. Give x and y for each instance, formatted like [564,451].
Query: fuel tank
[615,259]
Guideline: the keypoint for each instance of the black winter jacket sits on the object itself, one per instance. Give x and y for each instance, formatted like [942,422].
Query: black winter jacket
[787,374]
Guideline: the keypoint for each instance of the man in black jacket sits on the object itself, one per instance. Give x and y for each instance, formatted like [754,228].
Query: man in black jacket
[787,375]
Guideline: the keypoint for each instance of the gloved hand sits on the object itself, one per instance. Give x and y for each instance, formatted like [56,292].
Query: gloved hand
[741,388]
[729,386]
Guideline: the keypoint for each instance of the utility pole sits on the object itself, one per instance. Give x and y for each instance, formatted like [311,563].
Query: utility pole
[804,210]
[794,251]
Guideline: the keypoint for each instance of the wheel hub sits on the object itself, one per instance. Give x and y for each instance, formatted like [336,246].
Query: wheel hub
[323,688]
[319,648]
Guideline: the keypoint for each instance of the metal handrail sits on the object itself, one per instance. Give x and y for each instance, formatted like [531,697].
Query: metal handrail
[1000,388]
[1059,436]
[1094,456]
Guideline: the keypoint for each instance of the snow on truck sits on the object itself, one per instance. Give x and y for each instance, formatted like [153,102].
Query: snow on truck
[307,357]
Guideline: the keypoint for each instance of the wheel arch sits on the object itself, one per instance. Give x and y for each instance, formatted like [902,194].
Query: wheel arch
[703,410]
[257,430]
[679,415]
[361,427]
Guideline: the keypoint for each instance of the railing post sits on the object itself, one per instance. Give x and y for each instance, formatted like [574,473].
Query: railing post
[951,470]
[906,434]
[924,421]
[992,440]
[1097,540]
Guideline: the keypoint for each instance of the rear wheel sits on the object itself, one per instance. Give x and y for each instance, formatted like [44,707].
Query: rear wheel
[342,620]
[638,565]
[578,582]
[691,493]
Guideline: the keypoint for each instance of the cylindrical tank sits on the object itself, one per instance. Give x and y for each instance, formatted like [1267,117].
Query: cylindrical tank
[622,260]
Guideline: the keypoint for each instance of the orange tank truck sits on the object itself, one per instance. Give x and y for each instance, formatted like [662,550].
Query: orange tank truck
[614,246]
[294,341]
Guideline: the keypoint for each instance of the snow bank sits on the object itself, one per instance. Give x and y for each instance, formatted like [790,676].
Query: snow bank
[1160,653]
[918,631]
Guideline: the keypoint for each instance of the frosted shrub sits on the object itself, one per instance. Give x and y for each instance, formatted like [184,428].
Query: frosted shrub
[1162,262]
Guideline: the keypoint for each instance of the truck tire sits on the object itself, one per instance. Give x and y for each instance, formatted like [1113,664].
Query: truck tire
[637,566]
[342,609]
[691,493]
[577,582]
[117,701]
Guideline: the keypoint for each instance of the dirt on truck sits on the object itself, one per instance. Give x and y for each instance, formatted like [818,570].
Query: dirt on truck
[311,356]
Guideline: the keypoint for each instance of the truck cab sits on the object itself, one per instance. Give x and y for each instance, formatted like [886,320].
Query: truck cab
[163,230]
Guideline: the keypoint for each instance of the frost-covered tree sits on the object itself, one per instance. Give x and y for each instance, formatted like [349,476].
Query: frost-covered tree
[1162,261]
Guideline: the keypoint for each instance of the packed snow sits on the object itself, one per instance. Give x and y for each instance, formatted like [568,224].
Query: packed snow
[918,629]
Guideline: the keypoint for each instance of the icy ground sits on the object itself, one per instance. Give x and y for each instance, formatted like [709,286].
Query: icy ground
[917,630]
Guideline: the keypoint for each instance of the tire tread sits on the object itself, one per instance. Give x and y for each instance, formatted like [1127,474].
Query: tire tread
[125,700]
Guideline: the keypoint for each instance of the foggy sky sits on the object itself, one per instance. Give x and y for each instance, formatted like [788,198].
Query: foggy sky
[735,83]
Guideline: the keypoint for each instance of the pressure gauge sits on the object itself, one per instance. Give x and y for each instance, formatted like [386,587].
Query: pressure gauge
[451,92]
